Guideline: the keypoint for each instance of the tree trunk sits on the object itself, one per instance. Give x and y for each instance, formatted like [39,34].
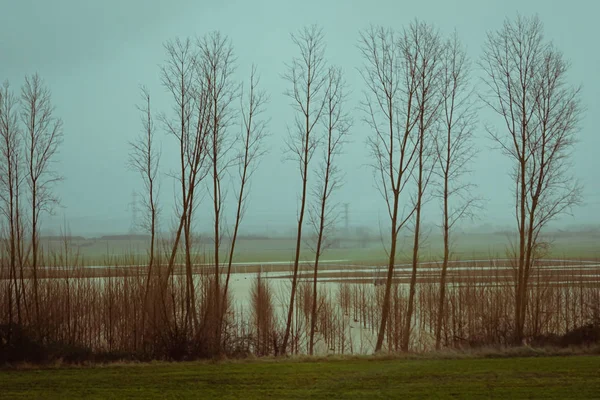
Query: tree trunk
[296,262]
[385,309]
[442,299]
[34,249]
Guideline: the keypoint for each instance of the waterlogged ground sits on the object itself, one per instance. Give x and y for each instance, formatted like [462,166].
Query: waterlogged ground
[491,270]
[336,275]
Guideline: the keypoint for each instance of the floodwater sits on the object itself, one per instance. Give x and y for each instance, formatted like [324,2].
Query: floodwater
[335,273]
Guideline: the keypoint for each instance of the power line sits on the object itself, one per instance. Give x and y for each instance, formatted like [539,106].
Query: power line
[133,206]
[346,217]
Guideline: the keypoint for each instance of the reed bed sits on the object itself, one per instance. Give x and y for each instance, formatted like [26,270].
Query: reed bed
[83,314]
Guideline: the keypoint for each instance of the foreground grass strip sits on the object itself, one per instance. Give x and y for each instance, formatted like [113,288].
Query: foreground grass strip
[573,377]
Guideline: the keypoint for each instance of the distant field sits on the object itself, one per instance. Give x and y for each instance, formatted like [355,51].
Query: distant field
[569,377]
[104,251]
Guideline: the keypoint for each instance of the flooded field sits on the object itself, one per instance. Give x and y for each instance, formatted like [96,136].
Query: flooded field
[338,271]
[480,297]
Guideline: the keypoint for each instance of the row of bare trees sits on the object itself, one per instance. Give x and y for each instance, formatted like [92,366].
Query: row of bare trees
[207,104]
[30,135]
[419,105]
[199,76]
[321,124]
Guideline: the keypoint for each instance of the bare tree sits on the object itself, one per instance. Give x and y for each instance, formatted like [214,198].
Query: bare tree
[43,135]
[11,156]
[217,65]
[336,124]
[422,43]
[391,112]
[526,78]
[144,158]
[182,77]
[454,150]
[178,78]
[254,131]
[307,75]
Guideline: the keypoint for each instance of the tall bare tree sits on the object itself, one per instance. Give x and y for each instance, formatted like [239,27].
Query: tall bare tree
[217,65]
[183,79]
[390,109]
[421,42]
[527,87]
[454,150]
[178,74]
[43,135]
[307,75]
[10,181]
[336,123]
[144,158]
[254,131]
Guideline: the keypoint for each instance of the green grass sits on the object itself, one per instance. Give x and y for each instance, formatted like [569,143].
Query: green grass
[467,246]
[567,377]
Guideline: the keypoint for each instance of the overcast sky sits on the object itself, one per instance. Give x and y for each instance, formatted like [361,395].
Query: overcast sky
[94,55]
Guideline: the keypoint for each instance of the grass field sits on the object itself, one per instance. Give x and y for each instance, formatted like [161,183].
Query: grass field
[100,251]
[566,377]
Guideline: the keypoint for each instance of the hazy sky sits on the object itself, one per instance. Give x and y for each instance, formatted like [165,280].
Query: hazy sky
[94,55]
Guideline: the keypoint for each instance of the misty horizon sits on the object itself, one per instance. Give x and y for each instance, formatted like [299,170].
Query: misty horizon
[93,58]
